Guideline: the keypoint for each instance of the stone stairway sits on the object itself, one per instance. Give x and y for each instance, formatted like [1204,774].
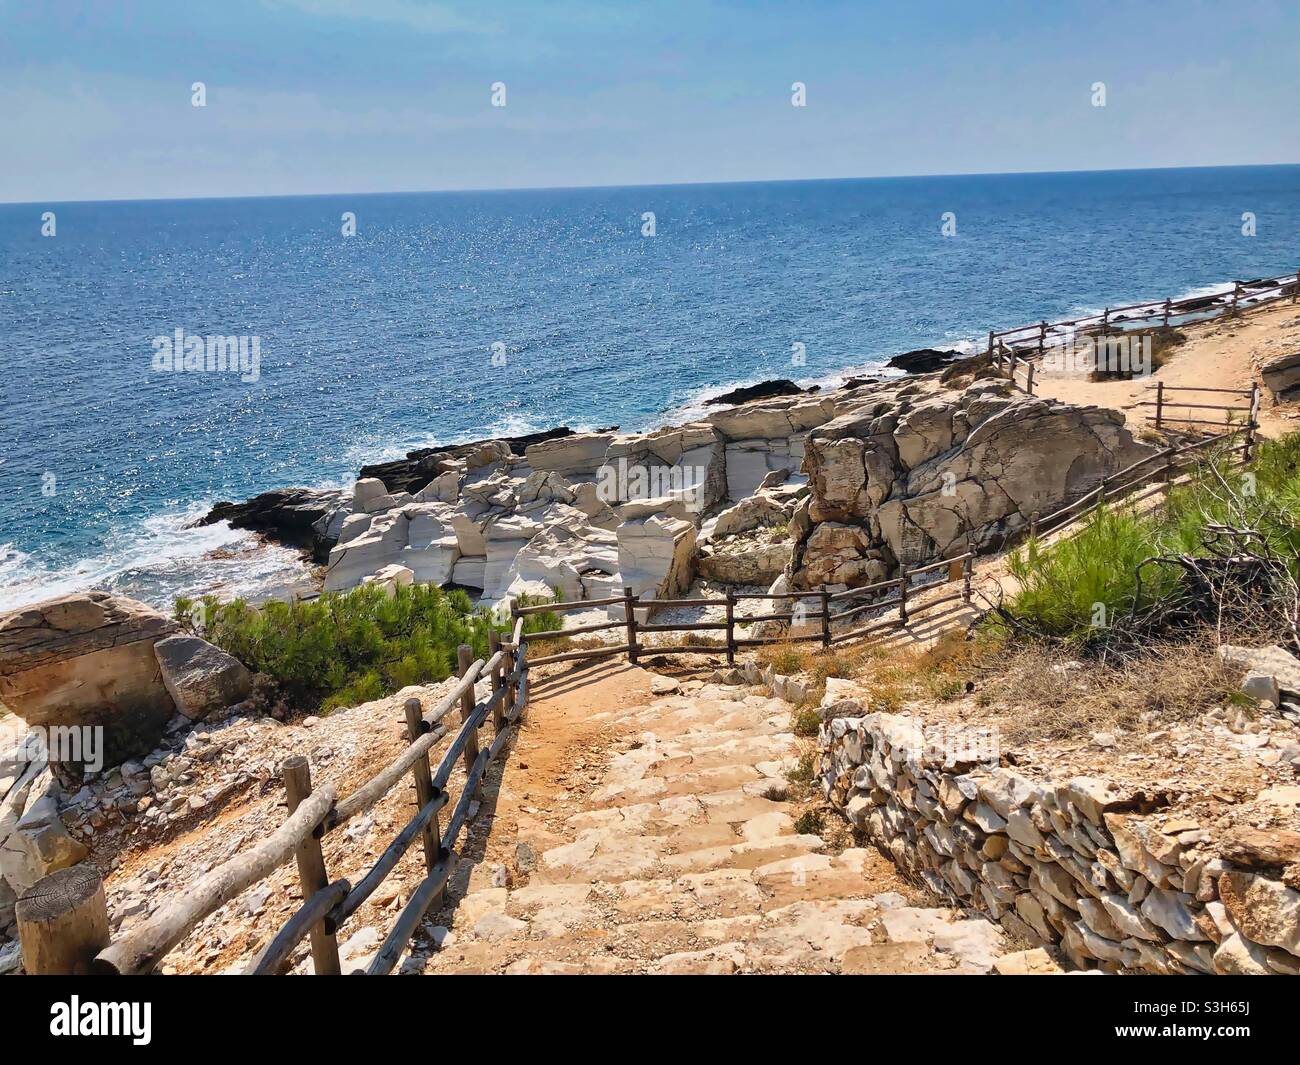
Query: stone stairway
[681,855]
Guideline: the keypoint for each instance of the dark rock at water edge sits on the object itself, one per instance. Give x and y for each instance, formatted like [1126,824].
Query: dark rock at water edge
[297,517]
[310,518]
[922,360]
[762,390]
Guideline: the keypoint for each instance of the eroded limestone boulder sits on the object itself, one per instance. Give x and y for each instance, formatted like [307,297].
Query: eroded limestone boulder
[917,472]
[201,678]
[33,840]
[574,457]
[655,555]
[565,557]
[685,462]
[88,659]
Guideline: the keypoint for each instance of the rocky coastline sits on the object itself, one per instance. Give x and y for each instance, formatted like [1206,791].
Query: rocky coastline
[778,485]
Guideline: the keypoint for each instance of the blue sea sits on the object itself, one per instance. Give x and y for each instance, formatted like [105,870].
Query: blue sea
[376,343]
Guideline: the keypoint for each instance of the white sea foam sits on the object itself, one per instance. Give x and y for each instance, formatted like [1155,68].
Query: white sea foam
[158,559]
[1206,290]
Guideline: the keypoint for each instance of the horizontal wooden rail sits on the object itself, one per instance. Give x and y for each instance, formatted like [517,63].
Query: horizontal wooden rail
[312,912]
[577,604]
[1193,388]
[577,630]
[856,593]
[657,603]
[686,626]
[142,949]
[586,652]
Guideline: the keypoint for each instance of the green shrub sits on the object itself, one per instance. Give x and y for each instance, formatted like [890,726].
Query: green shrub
[803,771]
[806,721]
[350,647]
[1077,588]
[1082,583]
[810,823]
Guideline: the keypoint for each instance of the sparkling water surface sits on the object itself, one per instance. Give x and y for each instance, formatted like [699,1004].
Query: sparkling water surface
[381,342]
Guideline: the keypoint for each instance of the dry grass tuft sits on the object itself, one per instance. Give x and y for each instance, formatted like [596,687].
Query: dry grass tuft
[1040,693]
[1049,697]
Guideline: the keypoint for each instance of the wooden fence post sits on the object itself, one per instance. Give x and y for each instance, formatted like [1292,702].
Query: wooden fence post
[967,572]
[1033,525]
[731,627]
[1029,383]
[311,865]
[465,660]
[512,696]
[1236,294]
[629,608]
[826,618]
[498,682]
[1252,424]
[423,785]
[1169,305]
[1160,402]
[991,331]
[1042,337]
[902,594]
[63,922]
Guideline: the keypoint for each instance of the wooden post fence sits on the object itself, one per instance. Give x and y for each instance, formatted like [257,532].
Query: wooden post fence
[826,618]
[629,608]
[1160,402]
[902,594]
[311,865]
[423,775]
[731,627]
[465,659]
[1252,423]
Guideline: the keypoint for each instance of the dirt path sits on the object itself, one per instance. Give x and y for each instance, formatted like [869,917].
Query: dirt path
[1221,354]
[637,833]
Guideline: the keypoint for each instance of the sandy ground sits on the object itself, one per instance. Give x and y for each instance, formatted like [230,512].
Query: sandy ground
[1221,354]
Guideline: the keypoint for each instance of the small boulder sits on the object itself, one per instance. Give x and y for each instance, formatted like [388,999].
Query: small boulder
[200,677]
[664,685]
[1281,376]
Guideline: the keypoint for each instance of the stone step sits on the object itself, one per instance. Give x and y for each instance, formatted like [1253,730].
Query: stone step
[680,862]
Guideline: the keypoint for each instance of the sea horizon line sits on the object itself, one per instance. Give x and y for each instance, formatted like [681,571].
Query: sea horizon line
[595,187]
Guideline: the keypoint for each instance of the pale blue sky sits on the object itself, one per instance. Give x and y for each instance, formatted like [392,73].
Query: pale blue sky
[308,96]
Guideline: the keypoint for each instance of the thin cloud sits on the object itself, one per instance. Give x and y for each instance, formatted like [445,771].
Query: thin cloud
[422,18]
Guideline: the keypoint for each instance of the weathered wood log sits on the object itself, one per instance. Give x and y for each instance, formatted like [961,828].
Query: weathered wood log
[63,922]
[140,951]
[423,783]
[465,661]
[276,953]
[312,876]
[499,693]
[380,785]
